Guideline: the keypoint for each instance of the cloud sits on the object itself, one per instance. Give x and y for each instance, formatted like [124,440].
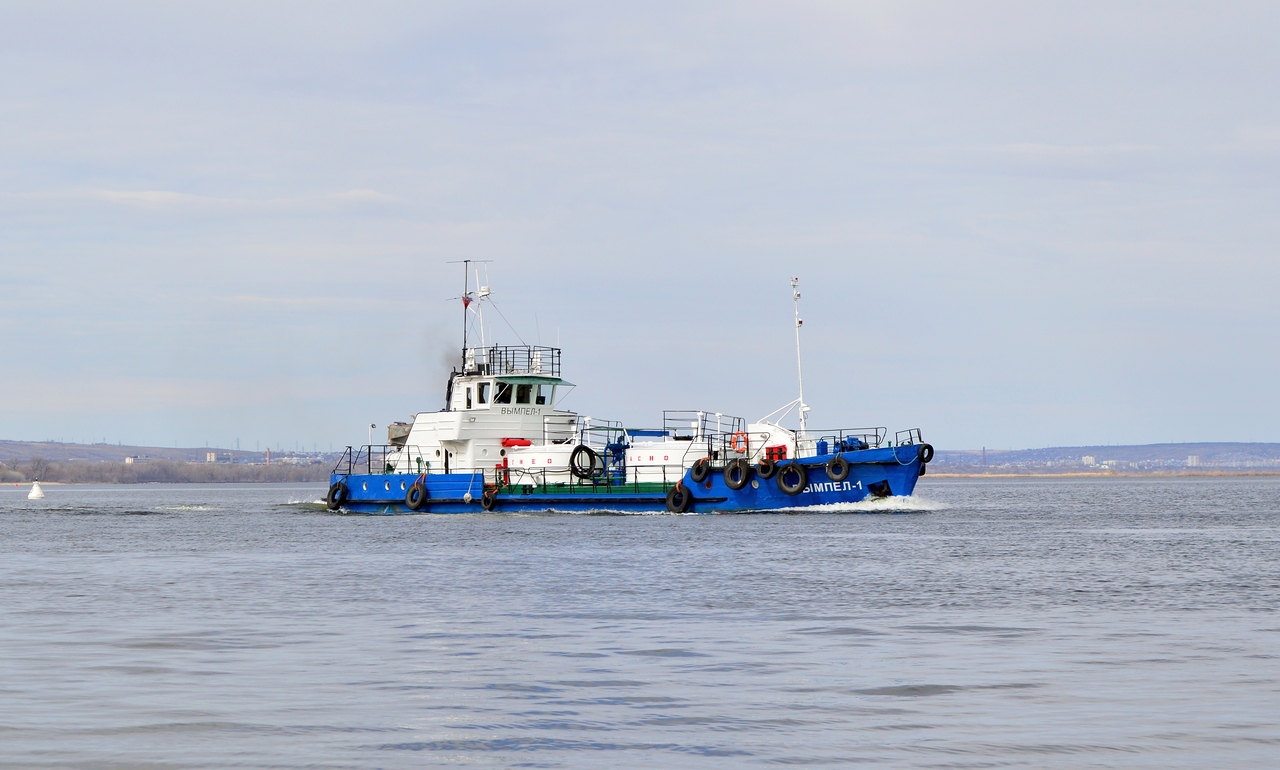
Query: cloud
[327,302]
[1057,152]
[175,200]
[363,196]
[1022,158]
[1252,139]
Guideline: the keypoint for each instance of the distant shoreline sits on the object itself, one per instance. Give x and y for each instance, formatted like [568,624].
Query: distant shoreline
[46,484]
[993,476]
[1097,475]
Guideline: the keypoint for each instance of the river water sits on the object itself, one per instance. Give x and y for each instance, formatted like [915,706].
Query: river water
[987,623]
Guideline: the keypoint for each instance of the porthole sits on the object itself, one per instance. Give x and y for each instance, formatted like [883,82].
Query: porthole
[402,486]
[437,453]
[755,484]
[502,453]
[366,486]
[386,486]
[484,452]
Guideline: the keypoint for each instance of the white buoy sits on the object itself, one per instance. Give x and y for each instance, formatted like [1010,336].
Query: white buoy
[36,492]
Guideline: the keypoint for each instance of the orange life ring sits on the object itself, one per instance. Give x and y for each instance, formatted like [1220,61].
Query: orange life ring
[734,442]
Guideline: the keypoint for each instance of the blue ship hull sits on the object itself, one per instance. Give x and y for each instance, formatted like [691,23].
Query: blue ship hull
[872,472]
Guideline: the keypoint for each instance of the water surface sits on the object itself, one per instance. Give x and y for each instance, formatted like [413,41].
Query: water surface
[992,623]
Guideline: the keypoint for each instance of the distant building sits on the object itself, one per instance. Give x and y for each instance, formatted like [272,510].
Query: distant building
[211,457]
[1089,460]
[1193,461]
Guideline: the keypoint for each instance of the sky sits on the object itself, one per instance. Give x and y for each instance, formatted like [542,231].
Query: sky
[1014,224]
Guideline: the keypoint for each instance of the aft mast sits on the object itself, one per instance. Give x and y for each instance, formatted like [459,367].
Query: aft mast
[804,408]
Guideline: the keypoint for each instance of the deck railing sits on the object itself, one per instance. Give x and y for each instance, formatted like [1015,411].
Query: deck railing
[498,360]
[690,424]
[376,460]
[908,436]
[722,447]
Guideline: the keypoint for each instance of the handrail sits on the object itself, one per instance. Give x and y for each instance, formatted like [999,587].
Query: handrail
[908,436]
[724,446]
[695,423]
[628,480]
[353,459]
[498,360]
[371,460]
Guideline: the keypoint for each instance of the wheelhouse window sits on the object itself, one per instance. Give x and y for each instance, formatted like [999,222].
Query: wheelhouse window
[468,398]
[523,392]
[483,392]
[544,395]
[503,396]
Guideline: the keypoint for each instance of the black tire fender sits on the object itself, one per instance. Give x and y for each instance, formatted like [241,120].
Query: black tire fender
[489,500]
[701,470]
[678,499]
[766,468]
[837,468]
[737,473]
[792,468]
[582,462]
[925,453]
[415,497]
[337,496]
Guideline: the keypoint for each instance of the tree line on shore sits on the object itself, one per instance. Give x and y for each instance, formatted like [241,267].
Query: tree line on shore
[153,471]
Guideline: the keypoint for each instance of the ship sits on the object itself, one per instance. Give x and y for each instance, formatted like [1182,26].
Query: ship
[503,442]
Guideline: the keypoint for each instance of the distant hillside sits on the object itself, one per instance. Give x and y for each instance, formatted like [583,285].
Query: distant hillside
[117,463]
[59,452]
[1152,457]
[108,463]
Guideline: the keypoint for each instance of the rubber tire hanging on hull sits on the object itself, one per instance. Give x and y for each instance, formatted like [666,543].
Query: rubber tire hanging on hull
[415,497]
[679,499]
[925,453]
[337,496]
[837,468]
[737,474]
[790,469]
[489,500]
[700,470]
[766,468]
[576,466]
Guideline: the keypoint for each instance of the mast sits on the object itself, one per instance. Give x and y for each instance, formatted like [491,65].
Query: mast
[466,264]
[466,302]
[482,291]
[795,297]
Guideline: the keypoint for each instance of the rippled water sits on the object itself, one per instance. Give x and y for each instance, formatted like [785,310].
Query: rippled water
[993,623]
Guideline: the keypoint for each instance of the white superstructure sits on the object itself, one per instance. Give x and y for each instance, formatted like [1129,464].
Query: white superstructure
[500,413]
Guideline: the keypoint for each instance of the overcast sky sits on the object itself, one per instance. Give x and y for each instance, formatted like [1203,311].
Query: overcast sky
[1015,224]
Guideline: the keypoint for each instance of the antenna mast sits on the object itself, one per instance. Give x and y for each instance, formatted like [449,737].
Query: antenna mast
[467,300]
[795,297]
[466,264]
